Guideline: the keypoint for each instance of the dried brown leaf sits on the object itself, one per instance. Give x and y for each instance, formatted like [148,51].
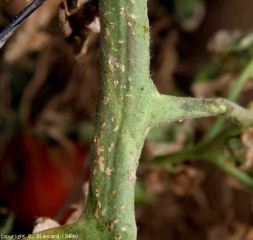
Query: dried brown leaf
[92,37]
[209,89]
[31,37]
[249,235]
[166,63]
[79,207]
[247,137]
[186,180]
[44,223]
[156,181]
[230,231]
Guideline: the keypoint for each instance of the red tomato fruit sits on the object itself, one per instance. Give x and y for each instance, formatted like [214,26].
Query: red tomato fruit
[49,178]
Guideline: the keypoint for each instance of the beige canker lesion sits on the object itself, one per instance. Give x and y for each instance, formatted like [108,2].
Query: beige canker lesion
[100,149]
[132,175]
[112,224]
[94,171]
[106,100]
[108,171]
[98,212]
[130,96]
[95,139]
[101,163]
[116,129]
[122,207]
[132,16]
[122,67]
[111,147]
[107,32]
[113,63]
[122,10]
[122,87]
[97,192]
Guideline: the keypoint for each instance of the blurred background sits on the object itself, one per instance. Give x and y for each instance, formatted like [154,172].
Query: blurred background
[49,74]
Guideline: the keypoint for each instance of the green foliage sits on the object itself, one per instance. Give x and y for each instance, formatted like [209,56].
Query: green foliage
[189,13]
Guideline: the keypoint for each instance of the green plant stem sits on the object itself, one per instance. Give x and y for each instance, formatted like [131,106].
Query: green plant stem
[180,108]
[232,171]
[210,152]
[125,108]
[123,117]
[232,96]
[238,114]
[246,74]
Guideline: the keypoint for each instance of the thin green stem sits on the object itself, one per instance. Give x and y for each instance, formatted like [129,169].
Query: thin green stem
[246,74]
[211,152]
[218,160]
[233,95]
[179,108]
